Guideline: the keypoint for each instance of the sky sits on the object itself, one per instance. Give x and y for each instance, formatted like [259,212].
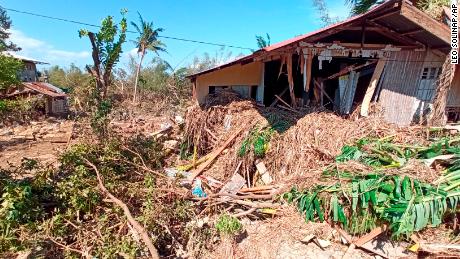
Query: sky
[231,22]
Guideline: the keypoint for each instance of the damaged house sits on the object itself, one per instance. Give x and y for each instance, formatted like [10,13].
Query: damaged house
[55,100]
[391,55]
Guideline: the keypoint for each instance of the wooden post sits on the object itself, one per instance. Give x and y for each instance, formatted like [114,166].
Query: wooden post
[372,85]
[322,93]
[308,59]
[290,80]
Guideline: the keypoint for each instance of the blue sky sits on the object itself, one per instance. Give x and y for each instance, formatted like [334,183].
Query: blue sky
[233,22]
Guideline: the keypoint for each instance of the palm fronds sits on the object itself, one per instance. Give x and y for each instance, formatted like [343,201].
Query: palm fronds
[360,202]
[362,6]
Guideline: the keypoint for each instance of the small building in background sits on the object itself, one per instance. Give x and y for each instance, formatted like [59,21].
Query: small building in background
[54,98]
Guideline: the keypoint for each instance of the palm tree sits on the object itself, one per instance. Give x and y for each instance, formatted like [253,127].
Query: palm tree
[263,42]
[432,7]
[362,6]
[147,40]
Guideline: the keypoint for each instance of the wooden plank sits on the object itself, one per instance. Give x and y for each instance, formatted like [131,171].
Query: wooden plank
[320,87]
[281,100]
[214,155]
[276,100]
[372,86]
[371,235]
[348,69]
[290,80]
[308,71]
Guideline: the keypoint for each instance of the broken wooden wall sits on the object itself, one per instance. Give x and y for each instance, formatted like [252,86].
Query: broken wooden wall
[399,83]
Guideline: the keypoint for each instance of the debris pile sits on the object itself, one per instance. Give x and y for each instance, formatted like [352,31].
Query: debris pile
[39,140]
[359,174]
[47,130]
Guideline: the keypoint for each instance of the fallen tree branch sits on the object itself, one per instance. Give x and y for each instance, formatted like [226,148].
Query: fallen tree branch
[244,213]
[142,232]
[84,254]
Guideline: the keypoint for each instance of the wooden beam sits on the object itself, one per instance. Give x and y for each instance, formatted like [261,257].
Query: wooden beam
[372,86]
[390,33]
[281,100]
[308,63]
[281,94]
[390,13]
[426,22]
[321,88]
[291,79]
[348,69]
[363,33]
[414,31]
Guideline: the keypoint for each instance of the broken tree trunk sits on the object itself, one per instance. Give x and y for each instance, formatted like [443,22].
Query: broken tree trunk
[372,86]
[438,114]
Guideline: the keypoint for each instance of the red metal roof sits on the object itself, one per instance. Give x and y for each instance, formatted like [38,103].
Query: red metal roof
[386,4]
[290,41]
[332,26]
[43,88]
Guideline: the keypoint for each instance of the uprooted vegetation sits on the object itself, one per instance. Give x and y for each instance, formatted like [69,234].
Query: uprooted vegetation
[386,186]
[354,173]
[236,160]
[61,212]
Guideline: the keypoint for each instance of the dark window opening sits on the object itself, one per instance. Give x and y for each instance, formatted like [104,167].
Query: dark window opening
[254,92]
[339,93]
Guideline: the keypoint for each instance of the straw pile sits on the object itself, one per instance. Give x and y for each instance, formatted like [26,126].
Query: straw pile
[317,138]
[309,141]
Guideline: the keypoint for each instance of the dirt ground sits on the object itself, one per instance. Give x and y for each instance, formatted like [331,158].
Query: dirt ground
[46,139]
[40,140]
[286,237]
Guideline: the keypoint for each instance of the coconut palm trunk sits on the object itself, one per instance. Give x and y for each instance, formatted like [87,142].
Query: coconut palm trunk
[138,71]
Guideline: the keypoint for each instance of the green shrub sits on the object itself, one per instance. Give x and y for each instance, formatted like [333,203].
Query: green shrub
[228,226]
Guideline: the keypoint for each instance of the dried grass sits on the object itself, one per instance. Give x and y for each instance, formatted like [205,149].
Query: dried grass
[317,139]
[312,140]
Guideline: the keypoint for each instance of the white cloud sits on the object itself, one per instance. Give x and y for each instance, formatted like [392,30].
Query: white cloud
[20,39]
[43,51]
[68,54]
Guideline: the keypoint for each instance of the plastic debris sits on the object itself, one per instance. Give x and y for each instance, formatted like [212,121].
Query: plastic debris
[197,189]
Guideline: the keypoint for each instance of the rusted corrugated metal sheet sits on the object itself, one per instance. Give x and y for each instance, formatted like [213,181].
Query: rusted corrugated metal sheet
[399,83]
[44,88]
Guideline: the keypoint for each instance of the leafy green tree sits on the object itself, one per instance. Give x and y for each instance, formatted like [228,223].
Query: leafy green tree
[5,24]
[74,81]
[263,42]
[56,76]
[107,48]
[9,69]
[362,6]
[106,51]
[147,40]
